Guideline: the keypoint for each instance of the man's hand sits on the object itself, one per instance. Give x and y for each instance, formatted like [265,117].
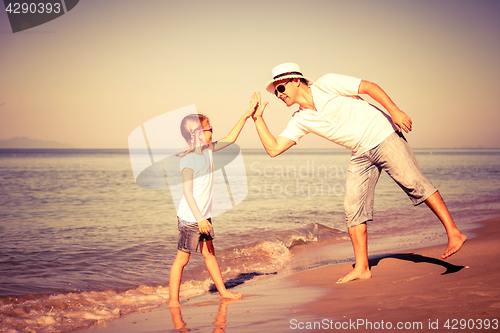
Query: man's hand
[259,107]
[204,227]
[253,107]
[401,120]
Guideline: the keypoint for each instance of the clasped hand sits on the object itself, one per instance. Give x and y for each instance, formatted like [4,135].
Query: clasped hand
[204,226]
[256,107]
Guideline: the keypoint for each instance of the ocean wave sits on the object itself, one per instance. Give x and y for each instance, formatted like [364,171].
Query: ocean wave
[70,311]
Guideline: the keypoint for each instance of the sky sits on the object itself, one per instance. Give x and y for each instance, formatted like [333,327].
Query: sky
[93,75]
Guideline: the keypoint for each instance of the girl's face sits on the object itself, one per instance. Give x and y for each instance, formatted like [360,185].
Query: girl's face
[203,135]
[207,131]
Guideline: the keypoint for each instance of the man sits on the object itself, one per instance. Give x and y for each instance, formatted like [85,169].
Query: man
[331,108]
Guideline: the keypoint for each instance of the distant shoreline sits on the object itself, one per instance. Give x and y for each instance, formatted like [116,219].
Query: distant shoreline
[25,142]
[255,150]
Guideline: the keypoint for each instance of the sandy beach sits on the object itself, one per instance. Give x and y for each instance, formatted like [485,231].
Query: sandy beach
[413,290]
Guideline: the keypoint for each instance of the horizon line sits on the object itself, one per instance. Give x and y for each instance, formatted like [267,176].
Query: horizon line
[295,149]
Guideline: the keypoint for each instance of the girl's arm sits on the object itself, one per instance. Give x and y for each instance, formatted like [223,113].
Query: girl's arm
[187,188]
[235,132]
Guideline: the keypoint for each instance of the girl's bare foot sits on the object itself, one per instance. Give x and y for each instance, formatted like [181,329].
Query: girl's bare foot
[174,304]
[230,295]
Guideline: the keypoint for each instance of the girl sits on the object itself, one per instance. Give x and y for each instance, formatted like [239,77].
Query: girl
[194,212]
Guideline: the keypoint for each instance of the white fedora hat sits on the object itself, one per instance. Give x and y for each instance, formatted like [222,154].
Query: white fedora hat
[284,71]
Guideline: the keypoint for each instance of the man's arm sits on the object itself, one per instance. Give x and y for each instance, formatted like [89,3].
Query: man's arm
[399,118]
[273,146]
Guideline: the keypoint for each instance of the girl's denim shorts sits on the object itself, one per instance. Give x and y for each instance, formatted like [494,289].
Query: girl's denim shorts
[190,236]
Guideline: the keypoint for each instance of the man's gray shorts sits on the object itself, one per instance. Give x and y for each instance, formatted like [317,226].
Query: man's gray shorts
[190,236]
[393,155]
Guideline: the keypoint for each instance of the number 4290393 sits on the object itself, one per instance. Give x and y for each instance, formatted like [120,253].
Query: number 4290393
[462,324]
[33,8]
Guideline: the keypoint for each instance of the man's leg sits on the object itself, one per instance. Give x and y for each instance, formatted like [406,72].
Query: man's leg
[396,157]
[455,238]
[361,269]
[362,177]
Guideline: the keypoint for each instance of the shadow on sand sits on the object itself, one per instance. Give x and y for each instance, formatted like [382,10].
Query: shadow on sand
[417,258]
[241,278]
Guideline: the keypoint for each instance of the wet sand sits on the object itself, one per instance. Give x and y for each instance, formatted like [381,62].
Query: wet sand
[416,286]
[413,290]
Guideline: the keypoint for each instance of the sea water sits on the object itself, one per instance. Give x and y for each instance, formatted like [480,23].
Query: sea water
[81,242]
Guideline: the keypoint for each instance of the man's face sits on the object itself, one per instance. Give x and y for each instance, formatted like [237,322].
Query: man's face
[287,95]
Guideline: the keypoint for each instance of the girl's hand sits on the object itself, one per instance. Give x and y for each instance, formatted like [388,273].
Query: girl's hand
[253,106]
[259,107]
[249,113]
[205,227]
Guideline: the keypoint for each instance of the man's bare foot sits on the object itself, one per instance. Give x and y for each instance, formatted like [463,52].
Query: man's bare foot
[454,244]
[355,274]
[230,295]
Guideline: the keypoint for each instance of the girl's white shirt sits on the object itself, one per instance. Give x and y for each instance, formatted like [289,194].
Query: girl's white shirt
[203,183]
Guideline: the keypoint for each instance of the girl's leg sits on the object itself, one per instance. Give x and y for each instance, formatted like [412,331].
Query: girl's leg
[180,261]
[208,252]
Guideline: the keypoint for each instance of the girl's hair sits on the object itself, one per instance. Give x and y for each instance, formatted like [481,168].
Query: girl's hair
[197,120]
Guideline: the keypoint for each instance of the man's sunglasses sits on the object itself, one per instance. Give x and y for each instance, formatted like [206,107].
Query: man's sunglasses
[281,88]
